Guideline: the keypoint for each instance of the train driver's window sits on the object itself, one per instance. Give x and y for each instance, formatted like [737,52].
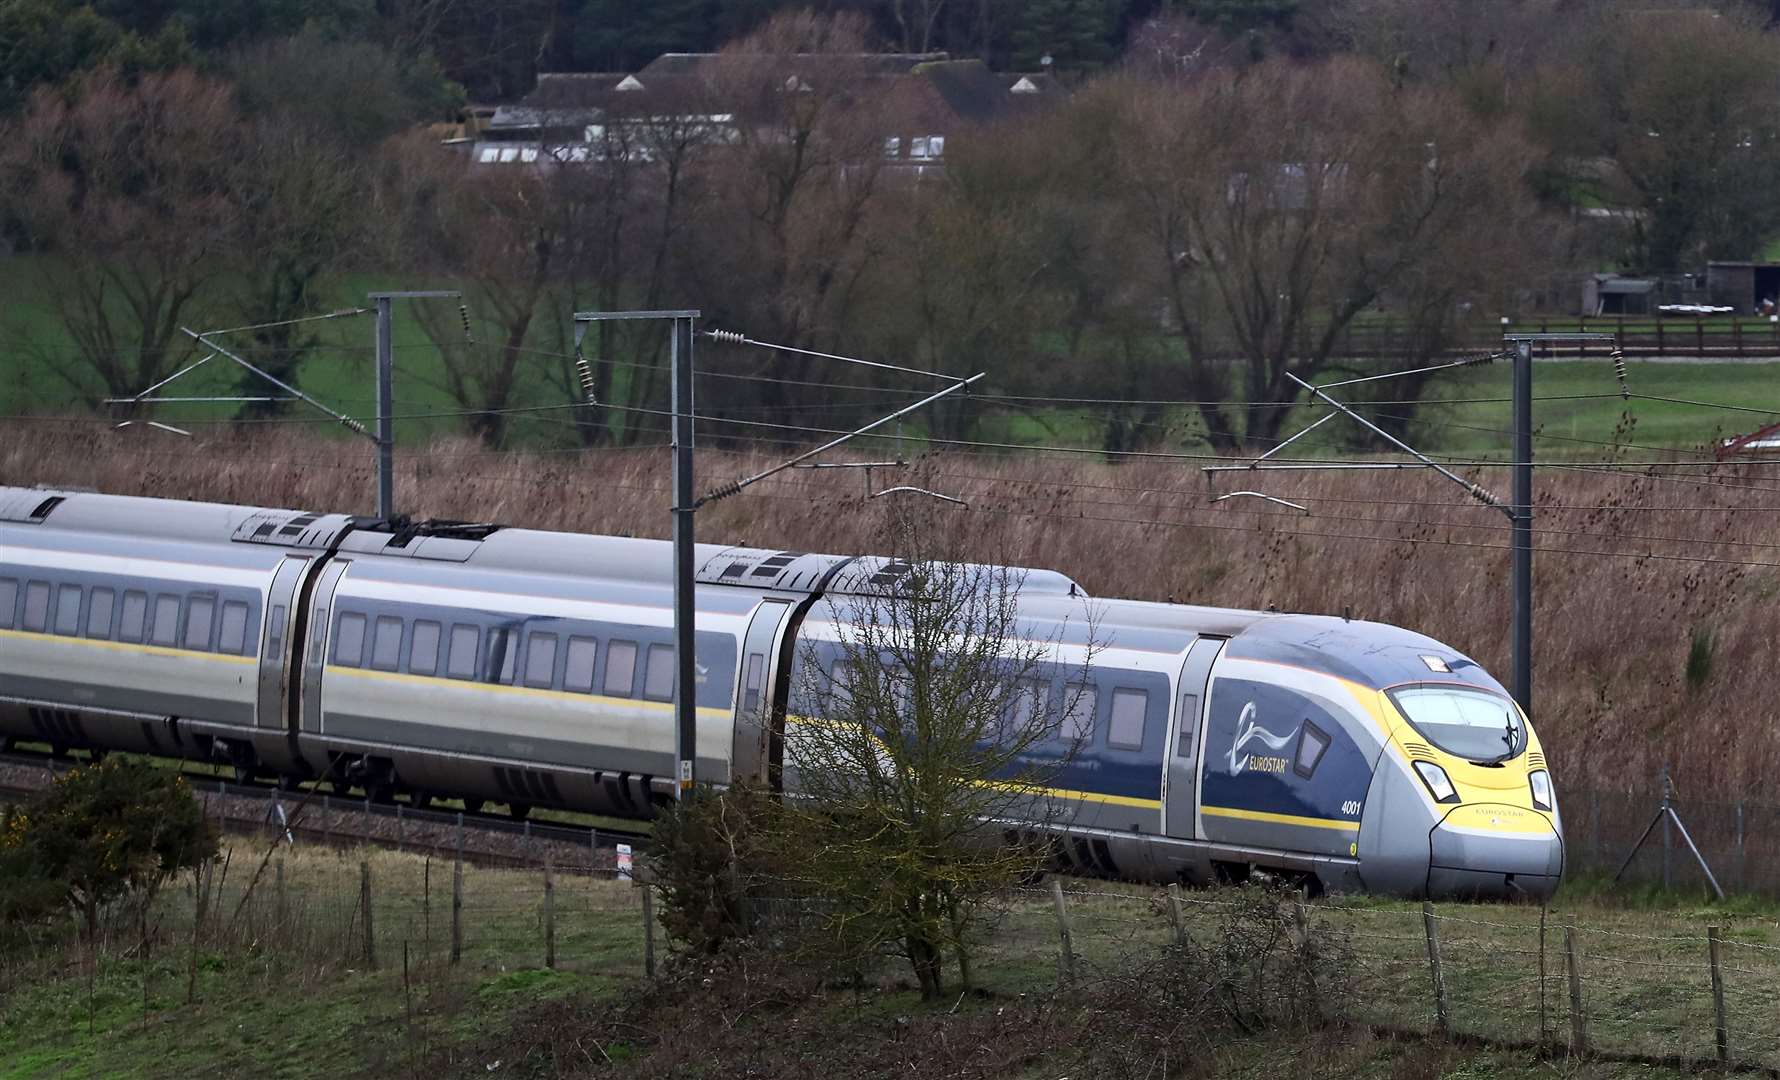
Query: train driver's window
[1125,729]
[423,655]
[1189,726]
[233,638]
[99,613]
[198,616]
[129,624]
[658,676]
[621,668]
[578,671]
[540,660]
[164,630]
[68,609]
[1312,744]
[386,643]
[9,601]
[37,605]
[1079,702]
[461,664]
[756,677]
[349,640]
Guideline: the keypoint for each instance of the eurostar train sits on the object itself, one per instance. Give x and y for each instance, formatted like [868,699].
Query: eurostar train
[534,668]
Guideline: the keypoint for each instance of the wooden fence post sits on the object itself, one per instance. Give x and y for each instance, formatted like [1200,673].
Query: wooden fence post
[1174,914]
[1065,957]
[1723,1030]
[1442,1019]
[282,909]
[1542,911]
[649,931]
[364,901]
[1573,966]
[549,916]
[457,908]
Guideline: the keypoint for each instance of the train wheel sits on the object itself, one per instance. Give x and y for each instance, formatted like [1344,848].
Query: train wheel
[474,806]
[58,750]
[245,774]
[342,788]
[290,782]
[380,792]
[420,799]
[519,811]
[6,744]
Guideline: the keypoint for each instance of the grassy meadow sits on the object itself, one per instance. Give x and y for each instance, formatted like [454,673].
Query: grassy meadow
[276,982]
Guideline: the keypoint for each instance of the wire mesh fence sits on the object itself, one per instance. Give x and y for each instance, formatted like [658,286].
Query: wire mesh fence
[1622,982]
[1738,839]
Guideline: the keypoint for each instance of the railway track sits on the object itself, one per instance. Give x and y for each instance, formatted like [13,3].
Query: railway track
[335,820]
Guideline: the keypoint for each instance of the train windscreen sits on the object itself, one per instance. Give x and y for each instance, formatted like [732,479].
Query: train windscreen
[1471,724]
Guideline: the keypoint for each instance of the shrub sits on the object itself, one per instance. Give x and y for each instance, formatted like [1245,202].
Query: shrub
[100,832]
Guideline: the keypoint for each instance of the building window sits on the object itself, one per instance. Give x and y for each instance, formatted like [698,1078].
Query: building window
[349,640]
[386,643]
[578,673]
[1125,728]
[621,668]
[98,613]
[658,678]
[423,656]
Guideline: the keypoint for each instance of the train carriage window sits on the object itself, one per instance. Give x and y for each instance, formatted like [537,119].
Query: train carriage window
[461,663]
[349,640]
[1025,705]
[68,609]
[9,601]
[621,668]
[1125,728]
[756,676]
[37,605]
[1312,744]
[1079,702]
[386,643]
[501,649]
[658,677]
[578,671]
[423,655]
[540,660]
[99,613]
[1189,726]
[233,638]
[129,624]
[200,613]
[164,629]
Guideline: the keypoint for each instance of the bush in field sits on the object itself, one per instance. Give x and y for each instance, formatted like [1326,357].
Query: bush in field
[100,832]
[708,854]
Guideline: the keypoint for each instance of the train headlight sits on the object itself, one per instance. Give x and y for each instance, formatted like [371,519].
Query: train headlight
[1540,780]
[1438,782]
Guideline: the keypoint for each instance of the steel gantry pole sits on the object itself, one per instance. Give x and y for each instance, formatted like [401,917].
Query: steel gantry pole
[386,424]
[685,585]
[1521,556]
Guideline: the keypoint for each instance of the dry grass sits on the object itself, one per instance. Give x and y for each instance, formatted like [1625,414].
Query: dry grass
[1621,598]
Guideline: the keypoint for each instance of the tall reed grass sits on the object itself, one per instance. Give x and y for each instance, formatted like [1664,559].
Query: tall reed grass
[1635,569]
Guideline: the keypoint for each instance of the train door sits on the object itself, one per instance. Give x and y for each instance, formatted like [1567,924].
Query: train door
[315,655]
[281,617]
[1180,776]
[754,697]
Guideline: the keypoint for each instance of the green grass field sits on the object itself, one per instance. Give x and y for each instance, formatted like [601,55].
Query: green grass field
[1577,414]
[281,987]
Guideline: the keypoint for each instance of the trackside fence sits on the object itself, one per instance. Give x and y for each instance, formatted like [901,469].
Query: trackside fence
[1633,984]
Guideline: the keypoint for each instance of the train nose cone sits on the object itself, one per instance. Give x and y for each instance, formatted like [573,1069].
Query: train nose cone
[1492,850]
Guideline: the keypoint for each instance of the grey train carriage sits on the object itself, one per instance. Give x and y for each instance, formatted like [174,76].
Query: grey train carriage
[535,668]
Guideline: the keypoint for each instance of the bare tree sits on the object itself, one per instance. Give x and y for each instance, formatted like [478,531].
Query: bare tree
[919,729]
[1281,203]
[131,186]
